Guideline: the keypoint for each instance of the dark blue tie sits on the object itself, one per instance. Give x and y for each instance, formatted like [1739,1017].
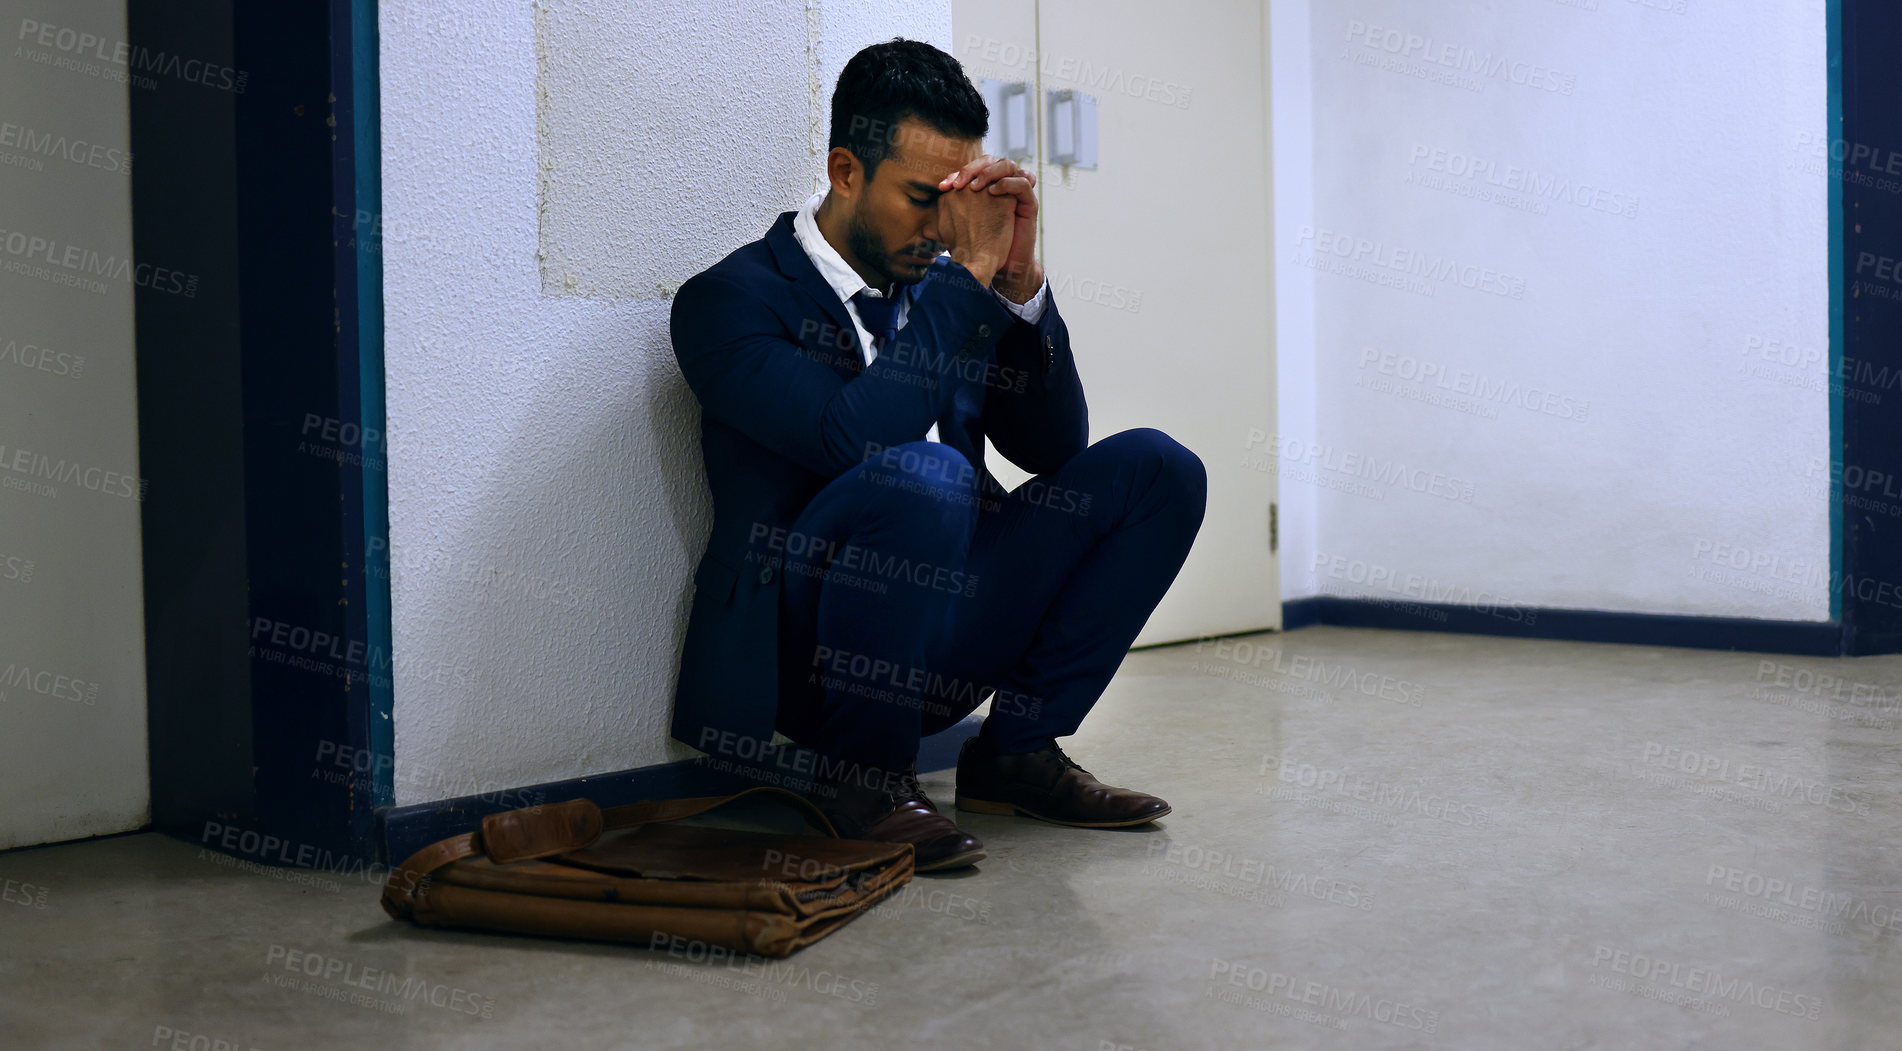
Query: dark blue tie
[879,313]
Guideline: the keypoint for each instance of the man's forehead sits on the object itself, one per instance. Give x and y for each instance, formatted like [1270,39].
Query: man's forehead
[921,148]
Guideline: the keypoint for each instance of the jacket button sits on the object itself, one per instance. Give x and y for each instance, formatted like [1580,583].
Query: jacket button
[766,575]
[984,330]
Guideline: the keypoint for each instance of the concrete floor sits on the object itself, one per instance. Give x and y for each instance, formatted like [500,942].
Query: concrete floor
[1380,840]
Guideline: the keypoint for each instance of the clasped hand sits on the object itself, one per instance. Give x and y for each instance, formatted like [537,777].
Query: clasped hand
[992,228]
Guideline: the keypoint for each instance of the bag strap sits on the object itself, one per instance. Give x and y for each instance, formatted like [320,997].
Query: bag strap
[557,828]
[673,809]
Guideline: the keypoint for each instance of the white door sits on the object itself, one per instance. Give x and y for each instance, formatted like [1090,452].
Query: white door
[1159,257]
[73,751]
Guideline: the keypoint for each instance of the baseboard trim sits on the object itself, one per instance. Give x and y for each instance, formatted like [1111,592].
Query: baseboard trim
[404,830]
[1794,637]
[1300,613]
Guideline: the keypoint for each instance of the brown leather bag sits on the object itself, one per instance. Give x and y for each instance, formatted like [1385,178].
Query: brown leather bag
[573,870]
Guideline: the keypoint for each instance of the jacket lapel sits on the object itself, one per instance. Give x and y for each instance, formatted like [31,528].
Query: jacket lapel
[840,346]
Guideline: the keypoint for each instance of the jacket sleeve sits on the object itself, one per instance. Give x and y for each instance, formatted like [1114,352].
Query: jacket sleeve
[750,373]
[1034,412]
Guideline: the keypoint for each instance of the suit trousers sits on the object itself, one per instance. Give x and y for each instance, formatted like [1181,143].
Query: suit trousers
[908,597]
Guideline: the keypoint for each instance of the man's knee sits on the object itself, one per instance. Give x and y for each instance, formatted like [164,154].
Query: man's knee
[1181,467]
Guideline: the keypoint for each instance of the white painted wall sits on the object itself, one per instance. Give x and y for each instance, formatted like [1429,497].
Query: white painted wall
[550,172]
[72,620]
[547,500]
[1661,450]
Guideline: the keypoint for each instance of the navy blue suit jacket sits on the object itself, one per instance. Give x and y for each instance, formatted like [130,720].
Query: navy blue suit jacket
[788,404]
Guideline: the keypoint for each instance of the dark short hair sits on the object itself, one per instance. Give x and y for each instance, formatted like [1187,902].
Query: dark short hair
[885,83]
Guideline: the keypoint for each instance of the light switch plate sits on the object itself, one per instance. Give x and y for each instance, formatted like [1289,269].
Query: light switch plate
[1012,133]
[1070,116]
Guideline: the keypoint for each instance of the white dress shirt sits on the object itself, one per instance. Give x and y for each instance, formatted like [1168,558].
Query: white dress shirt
[847,283]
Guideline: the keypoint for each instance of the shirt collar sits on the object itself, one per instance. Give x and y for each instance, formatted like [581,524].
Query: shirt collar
[832,266]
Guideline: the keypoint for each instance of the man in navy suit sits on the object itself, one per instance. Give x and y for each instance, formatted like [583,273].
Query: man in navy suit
[867,581]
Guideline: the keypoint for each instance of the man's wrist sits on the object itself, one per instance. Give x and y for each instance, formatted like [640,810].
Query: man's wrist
[1019,289]
[980,267]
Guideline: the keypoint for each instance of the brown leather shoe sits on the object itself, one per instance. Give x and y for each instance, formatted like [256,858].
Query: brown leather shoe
[900,813]
[1048,785]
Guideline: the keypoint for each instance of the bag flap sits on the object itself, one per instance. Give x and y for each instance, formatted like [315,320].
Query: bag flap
[687,852]
[539,832]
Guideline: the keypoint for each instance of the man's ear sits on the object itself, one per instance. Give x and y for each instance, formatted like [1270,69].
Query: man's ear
[847,175]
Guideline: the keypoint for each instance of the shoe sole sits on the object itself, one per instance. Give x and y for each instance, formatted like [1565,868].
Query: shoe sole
[981,806]
[955,861]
